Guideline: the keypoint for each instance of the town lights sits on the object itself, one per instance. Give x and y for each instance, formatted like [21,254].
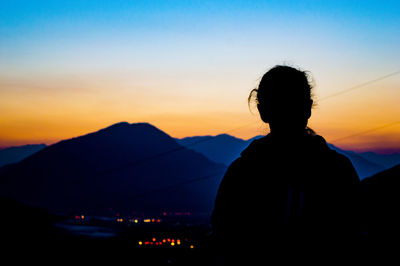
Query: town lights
[144,220]
[166,242]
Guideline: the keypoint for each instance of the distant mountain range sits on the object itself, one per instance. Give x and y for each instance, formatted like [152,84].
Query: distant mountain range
[368,164]
[222,148]
[16,154]
[225,148]
[134,167]
[125,167]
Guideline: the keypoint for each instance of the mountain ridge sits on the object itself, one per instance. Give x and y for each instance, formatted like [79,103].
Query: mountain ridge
[132,166]
[225,148]
[15,154]
[228,149]
[105,169]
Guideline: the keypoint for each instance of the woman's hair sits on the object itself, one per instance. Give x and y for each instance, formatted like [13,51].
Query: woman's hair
[283,90]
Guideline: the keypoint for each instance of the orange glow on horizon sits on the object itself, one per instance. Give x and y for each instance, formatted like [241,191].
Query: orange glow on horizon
[48,112]
[384,139]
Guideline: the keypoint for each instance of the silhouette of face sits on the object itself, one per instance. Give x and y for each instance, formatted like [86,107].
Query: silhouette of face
[284,100]
[285,120]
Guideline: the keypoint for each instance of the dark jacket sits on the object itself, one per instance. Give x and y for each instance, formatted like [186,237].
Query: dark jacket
[280,193]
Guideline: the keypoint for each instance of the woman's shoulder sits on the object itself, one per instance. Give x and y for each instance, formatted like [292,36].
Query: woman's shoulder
[256,146]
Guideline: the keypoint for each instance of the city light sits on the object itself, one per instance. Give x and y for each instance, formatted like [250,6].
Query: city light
[156,241]
[79,217]
[166,242]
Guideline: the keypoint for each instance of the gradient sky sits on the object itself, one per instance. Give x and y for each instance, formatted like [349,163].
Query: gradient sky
[72,67]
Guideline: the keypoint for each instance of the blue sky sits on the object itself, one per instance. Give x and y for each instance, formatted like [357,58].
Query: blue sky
[47,26]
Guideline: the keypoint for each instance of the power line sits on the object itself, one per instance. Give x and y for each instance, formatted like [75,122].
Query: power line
[220,172]
[360,85]
[245,125]
[367,131]
[339,93]
[161,154]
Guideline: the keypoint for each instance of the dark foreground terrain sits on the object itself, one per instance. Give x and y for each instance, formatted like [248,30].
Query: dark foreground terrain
[173,238]
[33,235]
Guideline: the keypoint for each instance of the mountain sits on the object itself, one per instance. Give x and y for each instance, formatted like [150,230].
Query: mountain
[364,167]
[16,154]
[225,148]
[381,201]
[134,167]
[124,167]
[222,148]
[386,160]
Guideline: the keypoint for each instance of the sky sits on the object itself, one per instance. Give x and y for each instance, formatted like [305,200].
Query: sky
[68,68]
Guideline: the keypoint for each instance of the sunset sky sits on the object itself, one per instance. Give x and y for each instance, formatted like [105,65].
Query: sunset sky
[68,68]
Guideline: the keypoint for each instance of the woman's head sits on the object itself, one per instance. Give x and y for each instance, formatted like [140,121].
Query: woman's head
[284,99]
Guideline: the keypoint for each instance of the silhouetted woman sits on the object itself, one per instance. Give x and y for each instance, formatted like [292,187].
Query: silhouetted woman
[288,193]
